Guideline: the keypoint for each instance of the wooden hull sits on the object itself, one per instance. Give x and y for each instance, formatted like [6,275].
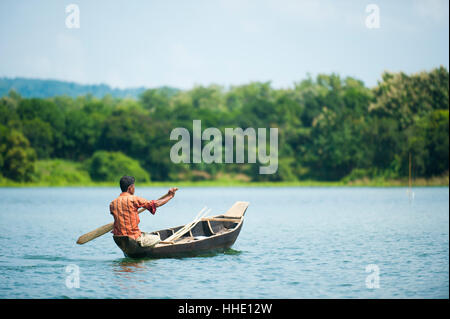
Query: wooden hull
[206,236]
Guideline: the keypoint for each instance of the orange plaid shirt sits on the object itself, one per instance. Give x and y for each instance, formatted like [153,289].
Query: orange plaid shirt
[125,211]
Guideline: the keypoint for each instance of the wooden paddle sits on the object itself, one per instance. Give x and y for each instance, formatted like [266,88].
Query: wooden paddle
[102,230]
[98,232]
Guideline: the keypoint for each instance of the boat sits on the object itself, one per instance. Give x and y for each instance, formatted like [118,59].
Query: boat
[215,233]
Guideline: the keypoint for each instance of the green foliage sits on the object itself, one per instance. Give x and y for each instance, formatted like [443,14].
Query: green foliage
[429,143]
[40,135]
[330,129]
[111,166]
[410,116]
[405,97]
[60,172]
[16,156]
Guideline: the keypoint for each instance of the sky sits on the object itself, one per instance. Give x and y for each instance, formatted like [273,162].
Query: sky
[226,42]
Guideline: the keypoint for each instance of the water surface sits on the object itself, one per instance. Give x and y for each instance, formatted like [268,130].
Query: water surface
[296,242]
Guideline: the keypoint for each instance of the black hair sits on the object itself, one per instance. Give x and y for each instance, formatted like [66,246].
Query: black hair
[125,182]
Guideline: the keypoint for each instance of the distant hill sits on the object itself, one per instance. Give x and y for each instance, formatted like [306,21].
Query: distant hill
[48,88]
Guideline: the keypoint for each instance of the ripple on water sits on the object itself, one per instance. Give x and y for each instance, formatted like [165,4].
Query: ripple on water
[49,258]
[317,247]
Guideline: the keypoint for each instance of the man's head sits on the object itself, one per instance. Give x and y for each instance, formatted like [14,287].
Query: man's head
[127,184]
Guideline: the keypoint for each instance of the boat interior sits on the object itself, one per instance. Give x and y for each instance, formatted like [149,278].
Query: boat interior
[207,227]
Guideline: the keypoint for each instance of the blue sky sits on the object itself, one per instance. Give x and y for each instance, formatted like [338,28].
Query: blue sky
[225,42]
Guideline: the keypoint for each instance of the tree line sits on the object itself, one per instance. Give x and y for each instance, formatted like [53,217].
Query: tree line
[48,88]
[330,128]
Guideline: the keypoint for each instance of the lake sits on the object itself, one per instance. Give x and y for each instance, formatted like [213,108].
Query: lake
[296,242]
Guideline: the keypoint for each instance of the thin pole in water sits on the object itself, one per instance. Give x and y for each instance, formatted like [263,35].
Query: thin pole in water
[410,192]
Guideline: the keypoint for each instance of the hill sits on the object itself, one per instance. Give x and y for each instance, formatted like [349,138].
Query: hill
[47,88]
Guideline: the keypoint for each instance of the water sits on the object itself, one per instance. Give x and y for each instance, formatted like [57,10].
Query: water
[295,243]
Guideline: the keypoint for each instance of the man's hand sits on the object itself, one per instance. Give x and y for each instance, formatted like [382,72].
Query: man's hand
[170,194]
[172,191]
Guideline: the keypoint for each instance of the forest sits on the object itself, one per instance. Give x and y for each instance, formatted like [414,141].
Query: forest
[330,129]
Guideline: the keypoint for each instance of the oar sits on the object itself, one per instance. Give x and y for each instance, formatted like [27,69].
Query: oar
[191,225]
[101,230]
[188,224]
[98,232]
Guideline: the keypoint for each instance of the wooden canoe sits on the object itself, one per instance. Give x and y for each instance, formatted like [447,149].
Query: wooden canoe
[215,233]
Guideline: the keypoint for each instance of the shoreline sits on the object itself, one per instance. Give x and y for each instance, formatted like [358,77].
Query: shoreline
[434,182]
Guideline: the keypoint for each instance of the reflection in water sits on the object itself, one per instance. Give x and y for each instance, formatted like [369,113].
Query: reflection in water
[231,251]
[128,265]
[126,269]
[129,273]
[218,252]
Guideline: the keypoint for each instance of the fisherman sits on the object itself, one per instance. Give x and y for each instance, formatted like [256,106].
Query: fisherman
[125,211]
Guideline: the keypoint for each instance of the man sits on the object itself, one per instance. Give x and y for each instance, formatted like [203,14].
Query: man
[125,211]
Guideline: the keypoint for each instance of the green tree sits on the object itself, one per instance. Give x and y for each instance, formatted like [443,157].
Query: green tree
[16,156]
[46,111]
[40,135]
[409,116]
[428,143]
[111,166]
[405,97]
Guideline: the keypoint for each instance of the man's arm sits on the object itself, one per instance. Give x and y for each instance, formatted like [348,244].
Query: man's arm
[165,198]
